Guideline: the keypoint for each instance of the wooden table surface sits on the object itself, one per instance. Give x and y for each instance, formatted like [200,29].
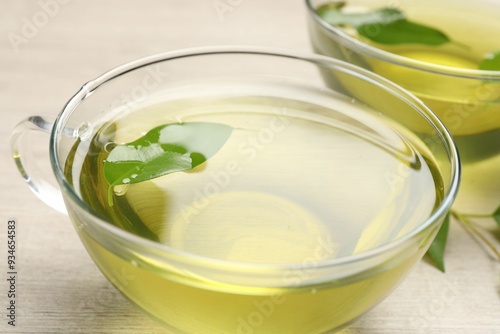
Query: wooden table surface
[49,48]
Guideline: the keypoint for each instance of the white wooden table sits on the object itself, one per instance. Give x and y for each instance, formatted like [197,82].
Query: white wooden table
[48,51]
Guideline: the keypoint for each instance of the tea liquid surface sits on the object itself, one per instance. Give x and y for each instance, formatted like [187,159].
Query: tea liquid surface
[290,175]
[296,183]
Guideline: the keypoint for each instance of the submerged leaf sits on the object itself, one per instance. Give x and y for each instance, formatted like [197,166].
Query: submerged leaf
[436,251]
[385,25]
[490,62]
[163,150]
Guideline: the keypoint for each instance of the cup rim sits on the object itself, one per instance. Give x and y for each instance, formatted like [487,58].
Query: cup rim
[187,257]
[363,48]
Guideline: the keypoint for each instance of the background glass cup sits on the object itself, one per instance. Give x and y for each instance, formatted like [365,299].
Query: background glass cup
[190,293]
[467,100]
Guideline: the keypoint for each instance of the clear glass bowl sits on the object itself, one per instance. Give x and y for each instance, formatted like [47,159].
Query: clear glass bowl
[192,293]
[445,77]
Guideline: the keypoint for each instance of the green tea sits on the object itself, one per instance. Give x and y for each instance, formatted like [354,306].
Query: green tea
[471,111]
[470,108]
[296,183]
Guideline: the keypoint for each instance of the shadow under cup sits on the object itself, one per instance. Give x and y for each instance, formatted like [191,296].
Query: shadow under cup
[192,293]
[445,77]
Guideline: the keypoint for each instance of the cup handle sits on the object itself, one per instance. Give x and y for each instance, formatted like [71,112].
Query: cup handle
[25,158]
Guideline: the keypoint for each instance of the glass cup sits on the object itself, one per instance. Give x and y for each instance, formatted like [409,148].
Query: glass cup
[193,293]
[445,77]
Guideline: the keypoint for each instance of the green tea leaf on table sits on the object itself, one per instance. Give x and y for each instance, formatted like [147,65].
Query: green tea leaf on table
[436,251]
[496,216]
[163,150]
[490,62]
[385,26]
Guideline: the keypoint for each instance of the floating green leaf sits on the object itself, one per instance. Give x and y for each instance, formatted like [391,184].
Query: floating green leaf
[490,62]
[332,14]
[385,25]
[403,31]
[436,251]
[163,150]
